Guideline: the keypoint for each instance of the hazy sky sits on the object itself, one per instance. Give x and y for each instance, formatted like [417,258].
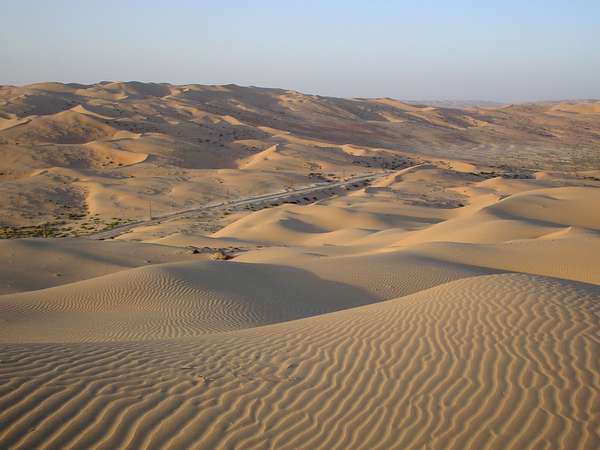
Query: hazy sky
[455,49]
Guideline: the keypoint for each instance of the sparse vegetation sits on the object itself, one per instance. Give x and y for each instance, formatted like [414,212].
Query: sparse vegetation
[220,255]
[61,228]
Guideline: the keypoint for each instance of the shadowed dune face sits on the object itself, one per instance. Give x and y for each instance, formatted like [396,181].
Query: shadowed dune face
[173,300]
[53,262]
[444,304]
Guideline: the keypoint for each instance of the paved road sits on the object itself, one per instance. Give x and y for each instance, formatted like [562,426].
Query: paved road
[246,201]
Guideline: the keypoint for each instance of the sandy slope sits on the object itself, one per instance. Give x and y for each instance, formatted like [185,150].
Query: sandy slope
[41,263]
[502,361]
[171,300]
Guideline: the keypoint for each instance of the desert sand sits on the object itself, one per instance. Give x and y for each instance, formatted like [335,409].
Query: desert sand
[449,301]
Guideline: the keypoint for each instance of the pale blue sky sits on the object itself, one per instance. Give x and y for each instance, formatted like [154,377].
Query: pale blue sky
[490,50]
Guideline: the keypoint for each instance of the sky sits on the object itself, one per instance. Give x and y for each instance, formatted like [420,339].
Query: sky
[507,50]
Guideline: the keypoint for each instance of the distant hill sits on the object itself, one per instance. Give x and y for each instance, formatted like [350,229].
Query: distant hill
[109,147]
[458,103]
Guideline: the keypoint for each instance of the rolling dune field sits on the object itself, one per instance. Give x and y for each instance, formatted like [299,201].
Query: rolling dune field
[448,300]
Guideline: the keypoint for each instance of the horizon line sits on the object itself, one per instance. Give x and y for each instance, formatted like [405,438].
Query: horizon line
[249,86]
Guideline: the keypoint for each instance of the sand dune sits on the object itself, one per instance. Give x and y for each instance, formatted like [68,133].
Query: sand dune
[293,224]
[66,127]
[560,206]
[571,254]
[171,300]
[578,107]
[477,363]
[10,122]
[527,215]
[269,154]
[452,302]
[53,262]
[383,274]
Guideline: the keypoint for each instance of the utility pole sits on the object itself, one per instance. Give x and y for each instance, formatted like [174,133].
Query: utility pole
[150,209]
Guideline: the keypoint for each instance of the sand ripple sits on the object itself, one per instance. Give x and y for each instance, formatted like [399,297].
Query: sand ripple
[497,361]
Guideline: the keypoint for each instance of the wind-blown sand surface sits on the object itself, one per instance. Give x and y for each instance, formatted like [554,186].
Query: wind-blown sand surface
[486,362]
[449,305]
